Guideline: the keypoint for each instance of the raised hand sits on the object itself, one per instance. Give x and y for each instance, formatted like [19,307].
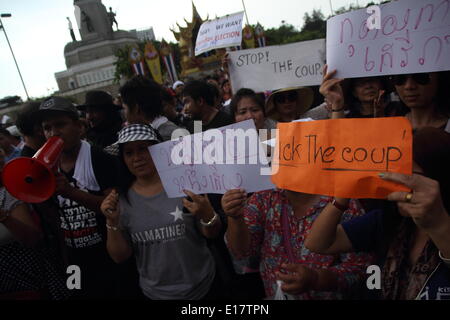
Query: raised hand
[233,202]
[331,89]
[423,204]
[110,207]
[379,104]
[199,206]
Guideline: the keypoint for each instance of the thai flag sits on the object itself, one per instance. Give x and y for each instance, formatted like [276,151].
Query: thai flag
[262,42]
[138,68]
[170,66]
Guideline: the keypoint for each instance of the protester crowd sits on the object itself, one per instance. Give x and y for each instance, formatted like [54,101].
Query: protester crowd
[111,217]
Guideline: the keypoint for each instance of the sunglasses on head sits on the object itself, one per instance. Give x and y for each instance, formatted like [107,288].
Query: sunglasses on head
[419,78]
[288,96]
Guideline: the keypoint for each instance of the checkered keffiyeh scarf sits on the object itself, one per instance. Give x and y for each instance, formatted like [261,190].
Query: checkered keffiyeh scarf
[137,132]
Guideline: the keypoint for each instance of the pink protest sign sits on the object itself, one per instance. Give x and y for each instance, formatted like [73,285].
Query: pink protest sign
[411,37]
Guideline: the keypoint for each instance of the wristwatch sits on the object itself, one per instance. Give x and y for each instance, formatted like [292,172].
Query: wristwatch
[210,222]
[339,206]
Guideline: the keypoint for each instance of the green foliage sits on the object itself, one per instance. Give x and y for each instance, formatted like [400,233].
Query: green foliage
[314,27]
[316,22]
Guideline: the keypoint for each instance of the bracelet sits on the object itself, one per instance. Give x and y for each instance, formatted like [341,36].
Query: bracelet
[338,110]
[112,228]
[339,206]
[210,222]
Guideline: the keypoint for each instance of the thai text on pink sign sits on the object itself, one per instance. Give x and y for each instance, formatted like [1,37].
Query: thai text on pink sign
[412,37]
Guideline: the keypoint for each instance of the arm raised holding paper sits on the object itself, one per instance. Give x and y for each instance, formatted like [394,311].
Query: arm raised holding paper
[420,222]
[331,89]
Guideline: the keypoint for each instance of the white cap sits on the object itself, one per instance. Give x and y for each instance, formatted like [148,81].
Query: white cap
[177,84]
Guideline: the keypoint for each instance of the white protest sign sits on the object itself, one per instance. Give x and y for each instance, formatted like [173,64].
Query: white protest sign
[414,36]
[276,67]
[219,33]
[213,161]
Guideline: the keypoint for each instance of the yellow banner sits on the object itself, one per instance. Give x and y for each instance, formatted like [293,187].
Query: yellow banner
[152,59]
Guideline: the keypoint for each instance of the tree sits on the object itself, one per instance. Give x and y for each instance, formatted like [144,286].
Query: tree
[315,22]
[314,27]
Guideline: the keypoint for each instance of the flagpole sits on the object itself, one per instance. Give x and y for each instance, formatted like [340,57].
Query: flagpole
[246,17]
[331,7]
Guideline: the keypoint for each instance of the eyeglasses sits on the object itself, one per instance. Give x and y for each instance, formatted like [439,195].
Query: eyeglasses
[288,96]
[419,78]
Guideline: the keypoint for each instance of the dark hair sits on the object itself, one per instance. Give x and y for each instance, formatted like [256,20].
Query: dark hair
[442,97]
[352,103]
[125,177]
[431,151]
[167,96]
[214,90]
[199,89]
[224,82]
[246,93]
[27,119]
[5,132]
[145,94]
[212,77]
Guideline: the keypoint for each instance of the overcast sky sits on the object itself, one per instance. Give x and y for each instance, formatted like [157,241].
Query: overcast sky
[38,30]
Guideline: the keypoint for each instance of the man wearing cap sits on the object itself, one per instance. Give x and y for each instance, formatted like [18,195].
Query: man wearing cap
[103,117]
[85,175]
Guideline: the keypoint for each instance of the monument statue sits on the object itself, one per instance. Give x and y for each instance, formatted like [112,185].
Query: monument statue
[72,34]
[85,18]
[112,18]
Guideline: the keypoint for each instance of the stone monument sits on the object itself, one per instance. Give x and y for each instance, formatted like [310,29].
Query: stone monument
[90,61]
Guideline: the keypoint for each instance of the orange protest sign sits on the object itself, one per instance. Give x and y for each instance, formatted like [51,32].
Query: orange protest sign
[342,157]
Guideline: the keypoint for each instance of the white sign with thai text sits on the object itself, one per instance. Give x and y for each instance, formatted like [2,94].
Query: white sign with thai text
[213,161]
[413,37]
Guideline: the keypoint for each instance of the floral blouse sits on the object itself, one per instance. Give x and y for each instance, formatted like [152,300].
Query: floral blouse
[263,218]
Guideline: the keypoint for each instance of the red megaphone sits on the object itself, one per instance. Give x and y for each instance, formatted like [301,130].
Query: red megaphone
[32,179]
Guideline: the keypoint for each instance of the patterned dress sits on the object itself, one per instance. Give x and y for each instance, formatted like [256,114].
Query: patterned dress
[263,218]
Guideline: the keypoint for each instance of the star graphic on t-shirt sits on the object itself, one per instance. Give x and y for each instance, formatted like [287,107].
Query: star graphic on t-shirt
[177,214]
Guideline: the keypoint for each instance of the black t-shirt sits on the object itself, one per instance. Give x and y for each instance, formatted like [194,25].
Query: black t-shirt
[221,119]
[85,230]
[27,152]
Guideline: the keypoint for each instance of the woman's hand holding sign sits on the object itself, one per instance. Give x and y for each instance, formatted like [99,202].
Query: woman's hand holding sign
[332,91]
[424,205]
